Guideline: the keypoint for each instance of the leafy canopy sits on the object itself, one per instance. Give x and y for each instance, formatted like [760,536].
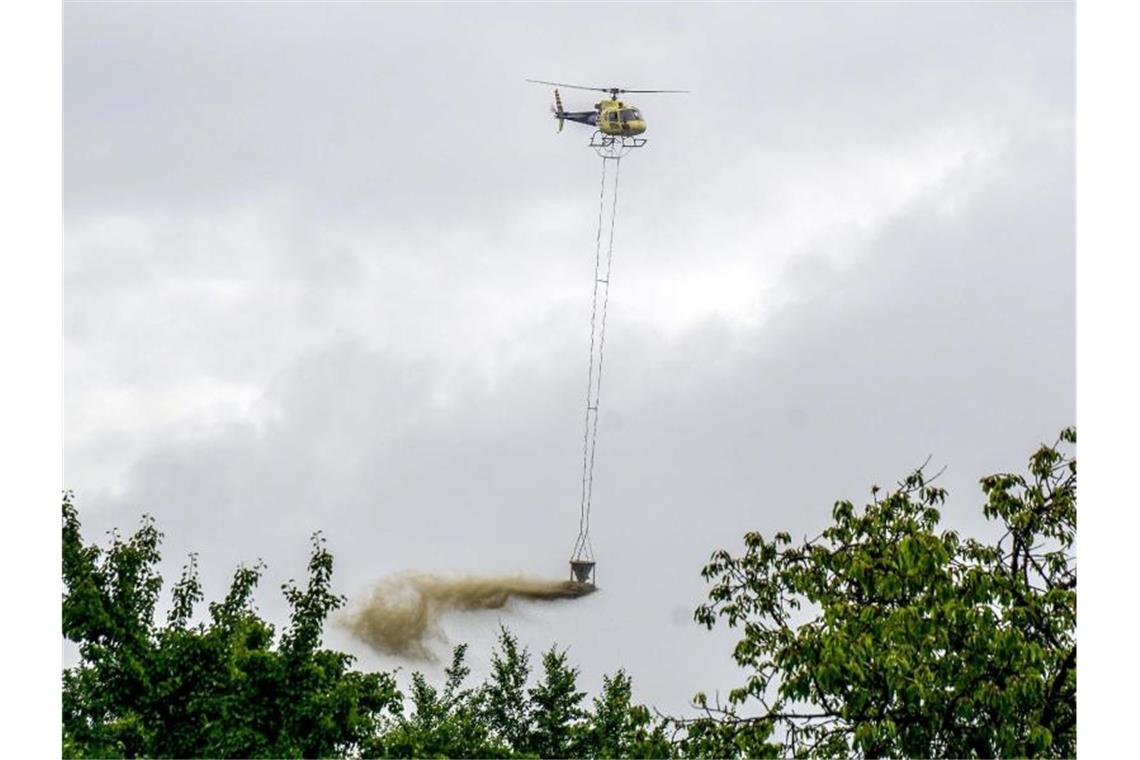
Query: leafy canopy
[502,717]
[885,636]
[230,687]
[881,636]
[225,687]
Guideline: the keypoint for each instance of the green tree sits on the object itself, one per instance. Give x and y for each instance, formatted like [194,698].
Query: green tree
[555,711]
[504,718]
[616,727]
[229,686]
[502,701]
[883,636]
[220,688]
[441,724]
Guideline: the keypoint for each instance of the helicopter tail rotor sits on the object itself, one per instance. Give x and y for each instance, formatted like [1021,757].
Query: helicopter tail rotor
[557,109]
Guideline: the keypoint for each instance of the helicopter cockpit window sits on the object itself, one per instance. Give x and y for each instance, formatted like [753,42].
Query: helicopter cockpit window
[630,114]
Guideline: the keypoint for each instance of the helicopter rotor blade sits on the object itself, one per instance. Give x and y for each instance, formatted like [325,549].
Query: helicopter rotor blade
[572,86]
[614,90]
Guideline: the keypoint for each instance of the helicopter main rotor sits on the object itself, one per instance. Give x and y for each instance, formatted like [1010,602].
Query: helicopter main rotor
[613,91]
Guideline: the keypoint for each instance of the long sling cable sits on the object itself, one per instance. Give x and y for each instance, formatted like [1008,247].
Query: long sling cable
[583,549]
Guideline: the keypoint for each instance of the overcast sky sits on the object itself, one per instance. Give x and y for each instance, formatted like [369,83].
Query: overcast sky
[328,267]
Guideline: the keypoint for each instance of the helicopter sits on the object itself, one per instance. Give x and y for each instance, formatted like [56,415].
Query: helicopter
[612,117]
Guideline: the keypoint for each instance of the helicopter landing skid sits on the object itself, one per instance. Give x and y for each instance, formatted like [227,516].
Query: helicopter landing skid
[614,146]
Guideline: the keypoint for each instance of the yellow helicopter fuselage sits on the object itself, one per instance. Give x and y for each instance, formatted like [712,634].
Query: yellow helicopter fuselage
[618,118]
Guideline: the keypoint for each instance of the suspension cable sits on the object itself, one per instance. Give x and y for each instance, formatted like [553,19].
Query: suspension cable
[582,547]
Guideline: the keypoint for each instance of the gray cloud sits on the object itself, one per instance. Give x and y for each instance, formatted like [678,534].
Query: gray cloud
[295,303]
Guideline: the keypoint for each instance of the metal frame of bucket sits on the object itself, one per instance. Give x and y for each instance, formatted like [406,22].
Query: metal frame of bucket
[582,571]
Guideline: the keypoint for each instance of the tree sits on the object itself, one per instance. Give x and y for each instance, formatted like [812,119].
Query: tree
[504,718]
[618,728]
[229,686]
[883,636]
[555,710]
[217,689]
[447,724]
[502,701]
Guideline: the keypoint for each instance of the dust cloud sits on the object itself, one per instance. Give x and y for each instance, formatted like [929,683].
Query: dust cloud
[404,610]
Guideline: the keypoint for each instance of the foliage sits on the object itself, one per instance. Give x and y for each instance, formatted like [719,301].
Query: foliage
[883,636]
[504,718]
[230,687]
[619,728]
[502,702]
[555,701]
[445,724]
[217,689]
